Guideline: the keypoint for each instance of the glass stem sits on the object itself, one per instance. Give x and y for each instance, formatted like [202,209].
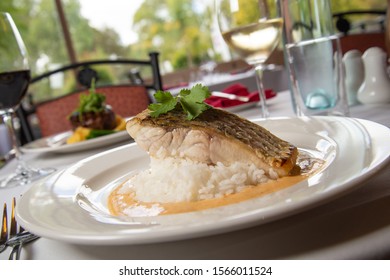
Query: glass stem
[259,80]
[8,121]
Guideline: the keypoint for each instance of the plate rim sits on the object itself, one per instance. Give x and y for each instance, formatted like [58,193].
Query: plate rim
[79,146]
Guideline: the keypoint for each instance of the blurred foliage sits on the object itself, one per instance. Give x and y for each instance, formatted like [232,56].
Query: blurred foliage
[40,28]
[348,5]
[176,29]
[179,30]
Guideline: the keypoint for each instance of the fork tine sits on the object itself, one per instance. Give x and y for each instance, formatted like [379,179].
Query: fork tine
[4,225]
[14,224]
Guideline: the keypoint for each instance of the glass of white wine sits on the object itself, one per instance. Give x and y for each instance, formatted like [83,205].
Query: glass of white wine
[253,29]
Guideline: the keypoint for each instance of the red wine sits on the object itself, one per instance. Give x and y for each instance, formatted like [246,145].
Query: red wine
[13,87]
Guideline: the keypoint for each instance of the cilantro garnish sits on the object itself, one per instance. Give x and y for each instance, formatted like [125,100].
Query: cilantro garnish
[165,103]
[191,101]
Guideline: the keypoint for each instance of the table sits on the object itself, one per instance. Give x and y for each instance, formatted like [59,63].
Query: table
[356,226]
[275,78]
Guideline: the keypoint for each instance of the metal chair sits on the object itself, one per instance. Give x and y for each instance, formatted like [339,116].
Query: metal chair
[363,33]
[345,24]
[127,98]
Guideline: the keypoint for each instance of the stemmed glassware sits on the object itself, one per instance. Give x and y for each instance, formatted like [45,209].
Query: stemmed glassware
[253,29]
[14,81]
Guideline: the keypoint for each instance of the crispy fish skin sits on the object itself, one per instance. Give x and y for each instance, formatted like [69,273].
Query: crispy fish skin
[214,136]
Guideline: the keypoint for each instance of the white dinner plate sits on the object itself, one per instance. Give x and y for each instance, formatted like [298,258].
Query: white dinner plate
[57,143]
[71,205]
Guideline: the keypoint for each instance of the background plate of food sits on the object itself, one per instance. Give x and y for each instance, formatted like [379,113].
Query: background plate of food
[94,124]
[58,143]
[76,205]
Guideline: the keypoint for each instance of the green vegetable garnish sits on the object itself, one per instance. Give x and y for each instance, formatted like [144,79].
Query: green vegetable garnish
[165,103]
[191,101]
[92,102]
[99,132]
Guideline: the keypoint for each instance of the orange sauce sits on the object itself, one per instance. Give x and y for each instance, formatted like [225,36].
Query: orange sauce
[119,203]
[124,203]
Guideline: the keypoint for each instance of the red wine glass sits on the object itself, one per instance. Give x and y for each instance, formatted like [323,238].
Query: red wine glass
[14,82]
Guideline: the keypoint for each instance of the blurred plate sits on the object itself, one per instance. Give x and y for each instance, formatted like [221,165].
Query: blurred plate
[57,143]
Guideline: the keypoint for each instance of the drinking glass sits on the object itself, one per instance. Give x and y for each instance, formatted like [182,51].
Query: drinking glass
[14,81]
[314,58]
[253,29]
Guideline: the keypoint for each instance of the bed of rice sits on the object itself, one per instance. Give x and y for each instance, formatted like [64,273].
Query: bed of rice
[175,180]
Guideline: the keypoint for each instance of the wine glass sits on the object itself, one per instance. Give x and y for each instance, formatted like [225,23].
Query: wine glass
[253,29]
[14,81]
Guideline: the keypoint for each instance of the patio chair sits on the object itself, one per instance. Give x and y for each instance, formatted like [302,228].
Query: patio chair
[126,99]
[361,29]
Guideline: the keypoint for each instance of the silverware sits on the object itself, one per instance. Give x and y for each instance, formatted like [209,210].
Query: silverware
[230,96]
[18,238]
[4,230]
[58,140]
[17,242]
[12,237]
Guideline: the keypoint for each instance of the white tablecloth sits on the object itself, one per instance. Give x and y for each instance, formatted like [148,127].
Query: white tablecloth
[355,226]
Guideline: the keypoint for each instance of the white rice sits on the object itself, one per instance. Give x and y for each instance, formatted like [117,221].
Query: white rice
[175,180]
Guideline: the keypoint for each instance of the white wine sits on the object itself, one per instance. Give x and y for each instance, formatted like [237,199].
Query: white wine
[255,42]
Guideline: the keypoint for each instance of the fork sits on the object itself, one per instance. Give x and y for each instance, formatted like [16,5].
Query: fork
[16,239]
[4,230]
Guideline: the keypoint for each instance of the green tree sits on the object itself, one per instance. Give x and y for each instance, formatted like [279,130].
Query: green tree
[40,28]
[19,10]
[90,42]
[179,30]
[44,37]
[348,5]
[175,29]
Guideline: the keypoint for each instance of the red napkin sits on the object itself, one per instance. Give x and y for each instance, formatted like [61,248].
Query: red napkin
[240,90]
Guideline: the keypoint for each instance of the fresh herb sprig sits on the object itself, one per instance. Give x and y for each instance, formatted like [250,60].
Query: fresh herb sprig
[92,102]
[190,100]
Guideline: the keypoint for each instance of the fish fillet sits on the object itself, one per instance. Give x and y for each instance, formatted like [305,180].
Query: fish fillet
[214,136]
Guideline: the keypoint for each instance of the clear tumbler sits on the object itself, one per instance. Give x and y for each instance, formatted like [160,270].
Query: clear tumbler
[313,58]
